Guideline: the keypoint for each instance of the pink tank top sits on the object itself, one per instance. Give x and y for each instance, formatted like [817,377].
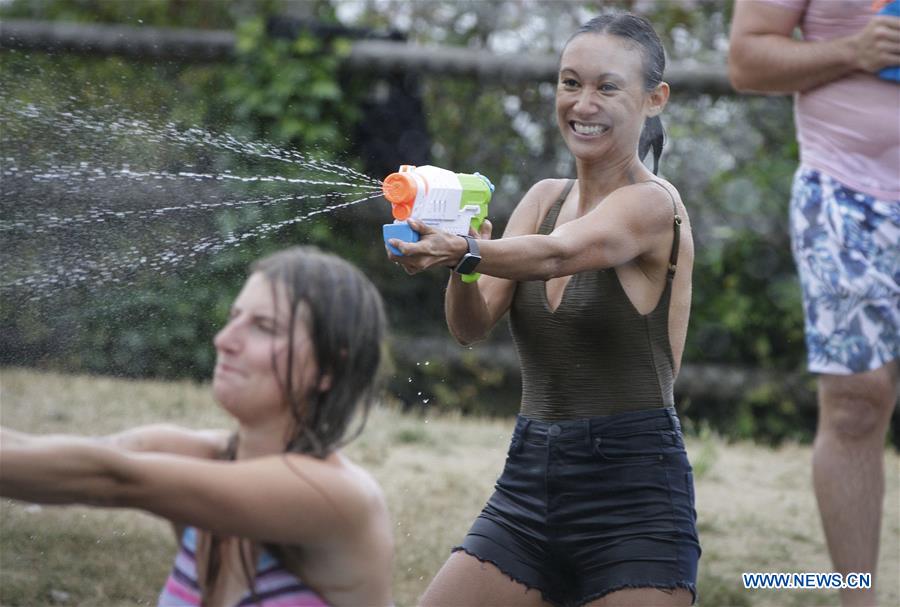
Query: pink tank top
[848,128]
[275,586]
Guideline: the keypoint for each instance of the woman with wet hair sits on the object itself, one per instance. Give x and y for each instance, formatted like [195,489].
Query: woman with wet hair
[271,513]
[595,503]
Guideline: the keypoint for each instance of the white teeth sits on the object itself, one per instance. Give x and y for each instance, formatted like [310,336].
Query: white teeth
[588,129]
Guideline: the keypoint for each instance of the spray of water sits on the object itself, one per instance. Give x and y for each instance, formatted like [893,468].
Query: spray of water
[88,199]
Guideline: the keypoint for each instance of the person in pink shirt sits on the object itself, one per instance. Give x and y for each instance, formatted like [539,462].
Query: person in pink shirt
[845,230]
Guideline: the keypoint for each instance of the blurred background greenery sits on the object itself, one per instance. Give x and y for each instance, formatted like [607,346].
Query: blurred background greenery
[731,157]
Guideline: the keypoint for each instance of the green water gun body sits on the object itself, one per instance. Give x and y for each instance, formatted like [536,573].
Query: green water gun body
[442,199]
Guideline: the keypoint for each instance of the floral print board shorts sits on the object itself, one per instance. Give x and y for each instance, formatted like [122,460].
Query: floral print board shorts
[847,248]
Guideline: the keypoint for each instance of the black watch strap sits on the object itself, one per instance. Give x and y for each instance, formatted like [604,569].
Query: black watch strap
[471,259]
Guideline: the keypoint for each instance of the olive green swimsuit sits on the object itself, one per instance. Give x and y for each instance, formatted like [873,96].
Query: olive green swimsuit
[595,354]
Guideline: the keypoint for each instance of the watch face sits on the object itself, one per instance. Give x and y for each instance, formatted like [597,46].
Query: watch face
[468,264]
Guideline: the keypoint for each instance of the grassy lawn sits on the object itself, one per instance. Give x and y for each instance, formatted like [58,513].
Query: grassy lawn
[755,504]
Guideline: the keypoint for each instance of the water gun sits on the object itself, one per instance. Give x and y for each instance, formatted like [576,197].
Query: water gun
[442,199]
[886,7]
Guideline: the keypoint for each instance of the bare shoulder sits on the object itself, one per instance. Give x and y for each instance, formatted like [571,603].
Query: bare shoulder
[352,564]
[650,210]
[535,204]
[545,192]
[663,200]
[355,496]
[362,539]
[669,193]
[655,189]
[673,201]
[649,203]
[364,489]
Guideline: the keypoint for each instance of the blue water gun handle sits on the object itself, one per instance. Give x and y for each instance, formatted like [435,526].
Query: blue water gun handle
[399,231]
[891,72]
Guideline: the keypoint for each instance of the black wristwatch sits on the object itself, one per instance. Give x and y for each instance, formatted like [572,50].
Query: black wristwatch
[471,259]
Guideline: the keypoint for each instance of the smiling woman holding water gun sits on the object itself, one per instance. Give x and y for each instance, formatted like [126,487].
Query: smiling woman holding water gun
[595,503]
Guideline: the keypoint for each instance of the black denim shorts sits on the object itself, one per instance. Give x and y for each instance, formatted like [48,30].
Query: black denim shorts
[589,506]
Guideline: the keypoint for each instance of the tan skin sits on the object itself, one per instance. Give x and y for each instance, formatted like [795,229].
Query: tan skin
[610,220]
[764,57]
[331,510]
[854,410]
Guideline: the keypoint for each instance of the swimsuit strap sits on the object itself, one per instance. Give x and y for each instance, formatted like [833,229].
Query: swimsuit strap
[673,256]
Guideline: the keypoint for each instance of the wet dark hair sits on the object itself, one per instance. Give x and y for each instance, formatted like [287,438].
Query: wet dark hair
[639,31]
[345,316]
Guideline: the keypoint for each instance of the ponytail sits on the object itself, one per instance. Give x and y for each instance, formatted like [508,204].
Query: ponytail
[652,136]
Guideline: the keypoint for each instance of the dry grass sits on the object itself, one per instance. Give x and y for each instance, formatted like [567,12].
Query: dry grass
[756,509]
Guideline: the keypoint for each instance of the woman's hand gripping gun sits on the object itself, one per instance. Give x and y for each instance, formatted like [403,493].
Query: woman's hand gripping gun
[442,199]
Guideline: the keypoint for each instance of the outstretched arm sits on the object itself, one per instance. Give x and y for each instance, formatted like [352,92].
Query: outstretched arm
[630,222]
[288,499]
[13,438]
[763,56]
[153,438]
[46,469]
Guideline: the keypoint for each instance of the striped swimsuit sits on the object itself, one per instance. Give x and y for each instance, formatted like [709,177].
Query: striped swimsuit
[275,585]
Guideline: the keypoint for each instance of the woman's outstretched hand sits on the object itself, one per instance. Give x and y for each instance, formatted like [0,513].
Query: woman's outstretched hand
[435,248]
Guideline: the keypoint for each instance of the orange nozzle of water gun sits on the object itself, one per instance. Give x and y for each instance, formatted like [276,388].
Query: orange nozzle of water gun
[400,190]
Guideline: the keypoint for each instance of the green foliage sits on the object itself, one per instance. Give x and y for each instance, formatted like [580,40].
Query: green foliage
[279,91]
[747,307]
[705,455]
[157,330]
[189,13]
[731,159]
[470,384]
[286,91]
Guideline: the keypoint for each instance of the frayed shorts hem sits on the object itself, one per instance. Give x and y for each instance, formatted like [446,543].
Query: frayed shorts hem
[503,570]
[587,599]
[639,585]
